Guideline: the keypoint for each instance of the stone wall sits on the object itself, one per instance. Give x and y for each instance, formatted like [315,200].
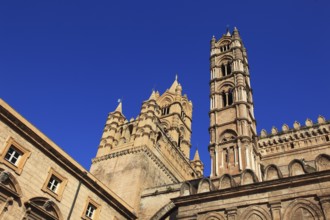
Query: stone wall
[24,192]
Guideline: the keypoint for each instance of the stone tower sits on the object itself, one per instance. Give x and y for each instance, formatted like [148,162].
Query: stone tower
[232,124]
[149,151]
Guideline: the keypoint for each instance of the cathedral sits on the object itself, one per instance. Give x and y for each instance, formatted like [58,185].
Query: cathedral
[143,167]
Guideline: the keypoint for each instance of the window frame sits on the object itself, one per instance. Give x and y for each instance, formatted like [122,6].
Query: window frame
[58,193]
[96,214]
[19,165]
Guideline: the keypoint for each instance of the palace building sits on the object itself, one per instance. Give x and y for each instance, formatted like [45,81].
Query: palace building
[143,167]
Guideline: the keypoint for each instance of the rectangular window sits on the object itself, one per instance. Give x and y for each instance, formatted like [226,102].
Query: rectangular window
[53,184]
[13,155]
[90,211]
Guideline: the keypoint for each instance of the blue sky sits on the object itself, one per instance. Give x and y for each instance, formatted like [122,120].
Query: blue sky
[64,64]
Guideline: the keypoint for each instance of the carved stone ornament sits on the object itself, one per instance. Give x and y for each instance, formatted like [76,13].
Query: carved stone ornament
[285,128]
[308,122]
[296,125]
[4,176]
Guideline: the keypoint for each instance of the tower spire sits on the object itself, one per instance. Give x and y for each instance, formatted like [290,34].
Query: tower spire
[119,107]
[174,84]
[196,157]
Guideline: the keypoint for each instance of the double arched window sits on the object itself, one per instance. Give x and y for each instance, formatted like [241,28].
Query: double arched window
[227,97]
[226,69]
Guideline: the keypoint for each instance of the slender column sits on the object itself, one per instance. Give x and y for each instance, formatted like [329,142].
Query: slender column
[232,213]
[5,209]
[325,203]
[275,208]
[216,160]
[235,155]
[212,161]
[240,156]
[247,157]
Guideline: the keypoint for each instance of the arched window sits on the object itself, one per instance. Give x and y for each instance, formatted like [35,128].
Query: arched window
[226,69]
[227,97]
[223,70]
[42,208]
[230,97]
[166,110]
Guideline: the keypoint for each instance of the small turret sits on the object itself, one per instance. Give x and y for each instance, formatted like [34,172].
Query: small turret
[213,40]
[111,131]
[236,35]
[198,164]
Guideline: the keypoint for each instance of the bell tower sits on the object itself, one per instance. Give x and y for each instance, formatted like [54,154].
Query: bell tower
[232,123]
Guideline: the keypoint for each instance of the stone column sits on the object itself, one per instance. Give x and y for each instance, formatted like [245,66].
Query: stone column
[275,208]
[325,203]
[231,213]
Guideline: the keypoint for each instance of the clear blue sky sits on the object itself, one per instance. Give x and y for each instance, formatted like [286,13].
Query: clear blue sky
[64,64]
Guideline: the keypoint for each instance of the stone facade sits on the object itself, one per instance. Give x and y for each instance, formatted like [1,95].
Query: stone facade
[142,168]
[280,176]
[25,192]
[152,150]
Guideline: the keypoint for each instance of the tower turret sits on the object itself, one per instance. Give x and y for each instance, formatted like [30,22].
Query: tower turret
[111,131]
[198,164]
[232,123]
[177,116]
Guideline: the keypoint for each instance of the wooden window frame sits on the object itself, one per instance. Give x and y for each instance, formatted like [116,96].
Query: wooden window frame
[63,181]
[17,168]
[89,200]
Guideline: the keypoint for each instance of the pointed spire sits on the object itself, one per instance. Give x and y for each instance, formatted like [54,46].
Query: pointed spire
[196,157]
[228,32]
[213,42]
[236,33]
[119,107]
[153,95]
[174,85]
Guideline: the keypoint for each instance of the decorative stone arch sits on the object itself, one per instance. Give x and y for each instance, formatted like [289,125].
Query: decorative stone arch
[225,59]
[272,172]
[228,135]
[296,167]
[166,100]
[322,162]
[165,124]
[248,177]
[254,213]
[42,207]
[205,185]
[187,189]
[10,191]
[213,216]
[166,211]
[226,181]
[312,210]
[225,87]
[9,181]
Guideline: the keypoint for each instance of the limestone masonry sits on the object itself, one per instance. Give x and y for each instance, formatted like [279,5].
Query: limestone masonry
[142,168]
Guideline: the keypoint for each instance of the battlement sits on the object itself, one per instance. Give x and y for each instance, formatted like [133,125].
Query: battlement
[298,137]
